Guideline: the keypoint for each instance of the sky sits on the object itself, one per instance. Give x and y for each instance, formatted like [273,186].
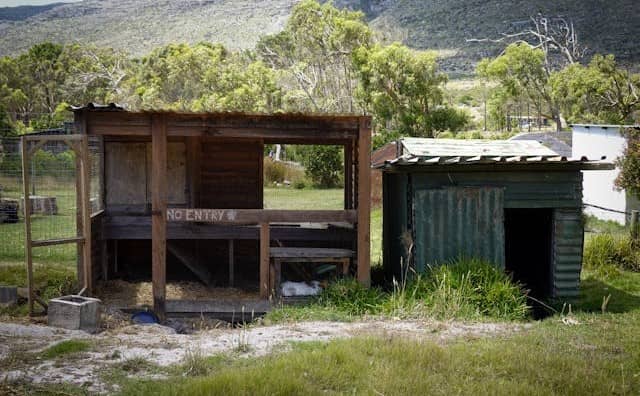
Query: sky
[13,3]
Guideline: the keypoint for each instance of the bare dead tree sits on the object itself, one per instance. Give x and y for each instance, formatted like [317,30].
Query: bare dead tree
[555,36]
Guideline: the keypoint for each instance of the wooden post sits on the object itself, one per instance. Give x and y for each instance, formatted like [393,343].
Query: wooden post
[27,222]
[159,213]
[231,264]
[193,169]
[348,175]
[82,277]
[85,196]
[634,226]
[264,260]
[364,201]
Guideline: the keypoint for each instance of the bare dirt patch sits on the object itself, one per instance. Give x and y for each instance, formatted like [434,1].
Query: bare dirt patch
[162,346]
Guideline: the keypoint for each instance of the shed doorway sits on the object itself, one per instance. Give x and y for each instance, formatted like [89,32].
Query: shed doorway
[528,236]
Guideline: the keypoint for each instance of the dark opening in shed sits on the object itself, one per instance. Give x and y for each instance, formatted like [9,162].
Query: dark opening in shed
[527,244]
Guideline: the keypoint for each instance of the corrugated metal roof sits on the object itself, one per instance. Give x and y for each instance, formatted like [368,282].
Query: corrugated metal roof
[454,152]
[472,147]
[559,142]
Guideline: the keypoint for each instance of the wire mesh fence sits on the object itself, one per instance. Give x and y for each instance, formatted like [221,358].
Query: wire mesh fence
[52,191]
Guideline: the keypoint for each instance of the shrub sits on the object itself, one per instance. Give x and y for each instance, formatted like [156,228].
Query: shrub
[462,288]
[274,171]
[350,297]
[604,252]
[323,165]
[472,286]
[65,348]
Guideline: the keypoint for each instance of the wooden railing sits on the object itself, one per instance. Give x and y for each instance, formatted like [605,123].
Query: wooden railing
[263,217]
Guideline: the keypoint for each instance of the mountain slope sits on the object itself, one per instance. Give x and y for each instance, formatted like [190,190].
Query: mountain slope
[602,26]
[139,25]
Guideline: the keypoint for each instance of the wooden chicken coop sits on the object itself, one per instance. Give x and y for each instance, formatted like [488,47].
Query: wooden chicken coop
[183,193]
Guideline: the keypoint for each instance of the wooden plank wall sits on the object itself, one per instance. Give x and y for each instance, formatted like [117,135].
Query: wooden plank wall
[231,174]
[128,173]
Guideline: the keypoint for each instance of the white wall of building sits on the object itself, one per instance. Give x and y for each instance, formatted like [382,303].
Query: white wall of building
[594,141]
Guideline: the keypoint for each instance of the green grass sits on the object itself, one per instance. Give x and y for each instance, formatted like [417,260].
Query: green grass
[303,199]
[468,289]
[600,355]
[62,225]
[51,280]
[66,348]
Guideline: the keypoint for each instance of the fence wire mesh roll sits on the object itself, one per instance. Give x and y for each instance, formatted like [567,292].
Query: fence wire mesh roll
[52,190]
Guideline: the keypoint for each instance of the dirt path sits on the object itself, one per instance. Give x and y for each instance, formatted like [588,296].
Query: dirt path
[162,346]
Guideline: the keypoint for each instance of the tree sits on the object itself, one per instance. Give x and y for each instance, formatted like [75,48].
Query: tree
[521,71]
[204,77]
[323,165]
[629,163]
[599,92]
[401,88]
[314,53]
[533,55]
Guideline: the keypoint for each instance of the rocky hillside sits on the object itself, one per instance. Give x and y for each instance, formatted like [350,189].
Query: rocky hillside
[139,25]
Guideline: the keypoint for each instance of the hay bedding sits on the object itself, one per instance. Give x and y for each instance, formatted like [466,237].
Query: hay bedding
[119,293]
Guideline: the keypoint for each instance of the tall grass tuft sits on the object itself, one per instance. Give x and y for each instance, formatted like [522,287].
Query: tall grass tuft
[466,288]
[606,253]
[350,297]
[470,287]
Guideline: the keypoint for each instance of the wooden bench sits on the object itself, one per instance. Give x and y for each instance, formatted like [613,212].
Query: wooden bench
[279,255]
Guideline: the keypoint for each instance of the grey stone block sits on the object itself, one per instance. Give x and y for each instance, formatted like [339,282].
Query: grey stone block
[74,313]
[8,296]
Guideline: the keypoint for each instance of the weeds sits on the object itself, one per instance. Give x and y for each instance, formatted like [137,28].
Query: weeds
[135,365]
[350,297]
[195,363]
[607,254]
[464,288]
[65,348]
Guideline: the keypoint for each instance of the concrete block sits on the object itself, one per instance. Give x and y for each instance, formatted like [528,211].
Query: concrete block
[42,205]
[75,313]
[8,296]
[9,210]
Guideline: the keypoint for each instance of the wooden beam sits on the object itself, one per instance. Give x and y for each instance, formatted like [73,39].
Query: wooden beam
[140,229]
[159,211]
[61,241]
[364,201]
[53,138]
[85,199]
[264,260]
[256,216]
[27,221]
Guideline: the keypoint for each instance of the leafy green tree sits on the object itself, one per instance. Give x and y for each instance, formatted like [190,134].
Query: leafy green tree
[402,88]
[314,53]
[629,163]
[323,165]
[598,92]
[204,77]
[523,70]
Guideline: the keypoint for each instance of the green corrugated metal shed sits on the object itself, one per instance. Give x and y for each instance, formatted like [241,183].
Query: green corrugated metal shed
[515,203]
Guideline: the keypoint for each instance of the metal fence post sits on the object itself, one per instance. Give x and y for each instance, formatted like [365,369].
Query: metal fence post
[635,215]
